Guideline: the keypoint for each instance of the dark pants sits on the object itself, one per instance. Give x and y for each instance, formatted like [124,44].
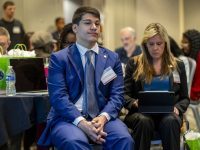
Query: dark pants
[4,147]
[144,126]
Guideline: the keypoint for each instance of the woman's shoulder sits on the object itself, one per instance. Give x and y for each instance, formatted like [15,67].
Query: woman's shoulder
[180,65]
[134,60]
[179,61]
[183,58]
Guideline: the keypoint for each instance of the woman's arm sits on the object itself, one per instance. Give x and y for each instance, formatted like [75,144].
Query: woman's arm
[183,100]
[130,85]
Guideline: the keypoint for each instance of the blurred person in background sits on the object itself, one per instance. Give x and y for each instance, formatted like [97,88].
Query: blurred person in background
[130,48]
[27,41]
[43,43]
[177,52]
[59,23]
[67,36]
[191,48]
[14,26]
[4,40]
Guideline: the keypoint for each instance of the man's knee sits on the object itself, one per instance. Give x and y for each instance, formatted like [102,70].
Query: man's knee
[65,135]
[127,139]
[118,136]
[121,142]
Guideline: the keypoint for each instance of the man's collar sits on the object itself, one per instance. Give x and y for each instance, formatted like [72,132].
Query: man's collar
[8,19]
[83,49]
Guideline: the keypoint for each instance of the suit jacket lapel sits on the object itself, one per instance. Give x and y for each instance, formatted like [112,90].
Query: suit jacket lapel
[101,59]
[76,61]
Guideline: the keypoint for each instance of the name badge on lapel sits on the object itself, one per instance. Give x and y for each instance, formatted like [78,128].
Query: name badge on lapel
[108,75]
[176,77]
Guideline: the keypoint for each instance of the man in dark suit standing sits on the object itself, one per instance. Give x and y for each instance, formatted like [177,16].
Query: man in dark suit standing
[86,92]
[14,26]
[60,23]
[130,48]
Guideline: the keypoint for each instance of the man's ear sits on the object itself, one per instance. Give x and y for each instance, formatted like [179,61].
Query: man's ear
[74,28]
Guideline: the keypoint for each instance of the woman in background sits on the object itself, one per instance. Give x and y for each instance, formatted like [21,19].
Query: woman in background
[27,41]
[191,48]
[176,51]
[67,36]
[155,69]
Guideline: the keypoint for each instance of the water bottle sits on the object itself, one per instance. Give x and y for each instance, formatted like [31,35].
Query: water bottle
[10,82]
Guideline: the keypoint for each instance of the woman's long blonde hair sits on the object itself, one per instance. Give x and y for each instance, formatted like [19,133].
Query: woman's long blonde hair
[145,69]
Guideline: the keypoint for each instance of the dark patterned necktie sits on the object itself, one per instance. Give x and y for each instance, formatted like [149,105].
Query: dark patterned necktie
[90,101]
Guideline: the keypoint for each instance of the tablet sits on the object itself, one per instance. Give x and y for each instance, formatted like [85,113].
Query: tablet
[156,101]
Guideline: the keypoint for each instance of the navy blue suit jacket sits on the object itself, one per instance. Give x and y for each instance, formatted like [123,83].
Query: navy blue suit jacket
[65,85]
[123,55]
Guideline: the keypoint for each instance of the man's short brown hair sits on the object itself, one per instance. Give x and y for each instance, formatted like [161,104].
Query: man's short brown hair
[82,11]
[58,19]
[8,3]
[4,32]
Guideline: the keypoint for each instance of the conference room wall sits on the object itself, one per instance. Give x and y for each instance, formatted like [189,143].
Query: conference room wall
[192,14]
[37,14]
[138,14]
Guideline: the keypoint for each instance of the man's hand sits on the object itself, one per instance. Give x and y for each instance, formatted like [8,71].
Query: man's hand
[99,123]
[91,131]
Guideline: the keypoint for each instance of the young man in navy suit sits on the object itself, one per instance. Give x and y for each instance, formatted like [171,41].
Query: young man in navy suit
[86,92]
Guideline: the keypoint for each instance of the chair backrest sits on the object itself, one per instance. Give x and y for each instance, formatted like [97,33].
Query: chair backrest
[192,65]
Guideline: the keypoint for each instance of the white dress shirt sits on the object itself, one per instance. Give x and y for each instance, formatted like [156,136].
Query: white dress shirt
[79,104]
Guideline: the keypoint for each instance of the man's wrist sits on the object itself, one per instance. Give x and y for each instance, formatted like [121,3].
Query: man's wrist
[106,115]
[78,120]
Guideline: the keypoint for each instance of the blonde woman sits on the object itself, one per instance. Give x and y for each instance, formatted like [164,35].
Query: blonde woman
[155,69]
